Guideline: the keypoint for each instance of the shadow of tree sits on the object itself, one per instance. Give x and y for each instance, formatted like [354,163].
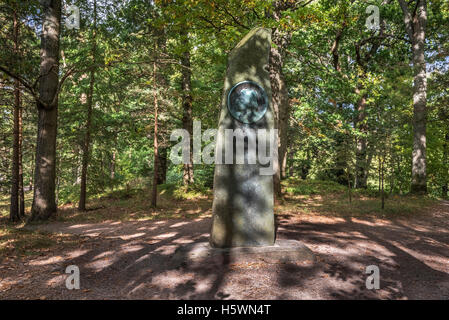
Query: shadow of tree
[413,264]
[133,260]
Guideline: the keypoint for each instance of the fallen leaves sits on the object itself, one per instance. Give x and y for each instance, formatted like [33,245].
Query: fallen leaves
[247,265]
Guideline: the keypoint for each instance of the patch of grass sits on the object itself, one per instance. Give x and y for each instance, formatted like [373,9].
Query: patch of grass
[5,203]
[122,194]
[325,198]
[361,206]
[316,197]
[15,240]
[192,192]
[179,192]
[135,204]
[296,186]
[329,198]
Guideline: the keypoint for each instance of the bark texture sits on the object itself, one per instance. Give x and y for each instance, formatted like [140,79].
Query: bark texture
[361,165]
[279,98]
[415,24]
[86,146]
[44,202]
[155,137]
[16,208]
[187,117]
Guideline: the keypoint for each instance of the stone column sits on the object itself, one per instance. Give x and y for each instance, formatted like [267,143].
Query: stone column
[243,197]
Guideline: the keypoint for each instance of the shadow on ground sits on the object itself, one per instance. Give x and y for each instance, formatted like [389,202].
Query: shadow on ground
[132,260]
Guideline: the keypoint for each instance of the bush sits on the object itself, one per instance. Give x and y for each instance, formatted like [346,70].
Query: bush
[308,187]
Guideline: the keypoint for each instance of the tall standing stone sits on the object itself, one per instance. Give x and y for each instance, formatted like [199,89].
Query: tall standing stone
[243,197]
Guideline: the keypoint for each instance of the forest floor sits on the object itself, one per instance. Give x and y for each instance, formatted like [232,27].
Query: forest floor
[123,250]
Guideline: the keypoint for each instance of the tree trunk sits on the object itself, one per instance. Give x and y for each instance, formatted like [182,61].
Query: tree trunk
[283,150]
[379,174]
[305,168]
[419,176]
[86,146]
[363,159]
[341,159]
[187,120]
[382,180]
[162,164]
[349,185]
[44,205]
[155,140]
[21,191]
[31,182]
[444,188]
[280,106]
[361,167]
[392,174]
[279,92]
[113,160]
[415,24]
[14,213]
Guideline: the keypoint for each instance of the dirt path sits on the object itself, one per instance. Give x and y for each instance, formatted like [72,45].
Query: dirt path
[131,260]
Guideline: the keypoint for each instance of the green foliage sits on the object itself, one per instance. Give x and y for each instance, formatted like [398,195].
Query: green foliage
[181,192]
[324,127]
[297,186]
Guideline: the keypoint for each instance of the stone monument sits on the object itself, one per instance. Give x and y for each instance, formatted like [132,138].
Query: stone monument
[243,195]
[243,220]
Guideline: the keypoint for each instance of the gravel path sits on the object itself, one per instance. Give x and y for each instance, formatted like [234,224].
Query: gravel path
[131,260]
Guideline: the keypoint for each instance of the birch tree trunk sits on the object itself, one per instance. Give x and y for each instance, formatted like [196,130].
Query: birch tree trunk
[415,25]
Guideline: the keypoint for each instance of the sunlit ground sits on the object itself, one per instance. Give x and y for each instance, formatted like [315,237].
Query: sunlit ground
[302,198]
[124,247]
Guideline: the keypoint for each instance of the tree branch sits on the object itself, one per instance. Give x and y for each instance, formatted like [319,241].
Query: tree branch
[30,88]
[407,18]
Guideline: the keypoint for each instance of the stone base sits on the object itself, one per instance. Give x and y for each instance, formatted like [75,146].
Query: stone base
[282,251]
